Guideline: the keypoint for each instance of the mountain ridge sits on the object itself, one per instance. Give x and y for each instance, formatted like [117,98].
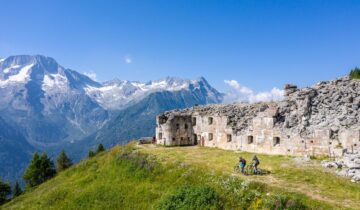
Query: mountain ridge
[54,107]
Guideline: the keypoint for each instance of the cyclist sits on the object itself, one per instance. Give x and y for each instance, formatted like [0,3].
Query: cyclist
[242,164]
[255,163]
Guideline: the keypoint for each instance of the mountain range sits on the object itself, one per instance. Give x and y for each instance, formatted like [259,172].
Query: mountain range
[46,107]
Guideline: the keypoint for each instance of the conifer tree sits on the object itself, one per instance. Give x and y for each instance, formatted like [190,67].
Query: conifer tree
[32,176]
[17,190]
[63,162]
[39,170]
[91,154]
[5,191]
[100,148]
[47,168]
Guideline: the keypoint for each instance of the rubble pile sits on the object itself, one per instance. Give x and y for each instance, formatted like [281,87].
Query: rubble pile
[329,104]
[348,165]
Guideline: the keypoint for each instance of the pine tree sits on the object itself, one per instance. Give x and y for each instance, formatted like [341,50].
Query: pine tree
[100,148]
[47,168]
[32,176]
[91,154]
[39,170]
[17,190]
[5,191]
[63,162]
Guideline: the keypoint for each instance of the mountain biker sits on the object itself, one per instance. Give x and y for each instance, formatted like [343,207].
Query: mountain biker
[242,164]
[255,163]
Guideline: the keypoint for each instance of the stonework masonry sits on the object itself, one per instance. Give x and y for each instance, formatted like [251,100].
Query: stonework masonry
[323,120]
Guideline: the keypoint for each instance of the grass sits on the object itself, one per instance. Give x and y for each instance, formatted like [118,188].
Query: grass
[150,177]
[308,179]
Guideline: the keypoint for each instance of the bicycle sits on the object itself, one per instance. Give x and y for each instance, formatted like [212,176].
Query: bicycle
[237,169]
[250,170]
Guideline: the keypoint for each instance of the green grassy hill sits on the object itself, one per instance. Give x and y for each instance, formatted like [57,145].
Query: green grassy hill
[151,177]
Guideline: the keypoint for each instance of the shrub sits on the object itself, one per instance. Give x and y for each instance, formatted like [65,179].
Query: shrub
[238,193]
[189,197]
[355,73]
[281,201]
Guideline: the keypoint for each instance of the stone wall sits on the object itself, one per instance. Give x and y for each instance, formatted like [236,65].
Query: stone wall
[177,130]
[307,122]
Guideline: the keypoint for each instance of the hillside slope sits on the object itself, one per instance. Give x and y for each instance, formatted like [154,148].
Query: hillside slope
[15,152]
[149,177]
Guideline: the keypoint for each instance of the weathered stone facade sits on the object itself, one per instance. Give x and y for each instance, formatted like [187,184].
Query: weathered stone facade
[321,120]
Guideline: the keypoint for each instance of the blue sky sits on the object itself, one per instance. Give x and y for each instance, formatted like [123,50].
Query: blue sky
[259,44]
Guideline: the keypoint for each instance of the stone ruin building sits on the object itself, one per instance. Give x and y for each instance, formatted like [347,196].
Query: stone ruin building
[322,120]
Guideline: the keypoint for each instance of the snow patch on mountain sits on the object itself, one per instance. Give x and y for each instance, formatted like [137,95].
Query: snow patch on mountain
[115,94]
[7,70]
[111,95]
[57,81]
[21,77]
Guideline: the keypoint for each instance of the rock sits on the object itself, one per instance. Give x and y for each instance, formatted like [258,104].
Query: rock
[343,172]
[356,178]
[329,164]
[350,163]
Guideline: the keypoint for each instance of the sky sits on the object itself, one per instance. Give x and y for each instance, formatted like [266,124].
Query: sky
[246,47]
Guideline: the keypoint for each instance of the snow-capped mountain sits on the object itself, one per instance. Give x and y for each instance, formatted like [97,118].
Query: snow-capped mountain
[116,94]
[47,101]
[52,106]
[18,71]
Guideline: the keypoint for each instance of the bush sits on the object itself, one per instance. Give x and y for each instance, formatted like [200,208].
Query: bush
[280,201]
[189,197]
[355,73]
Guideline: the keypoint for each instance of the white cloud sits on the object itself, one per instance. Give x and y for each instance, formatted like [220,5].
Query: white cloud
[91,74]
[127,59]
[239,93]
